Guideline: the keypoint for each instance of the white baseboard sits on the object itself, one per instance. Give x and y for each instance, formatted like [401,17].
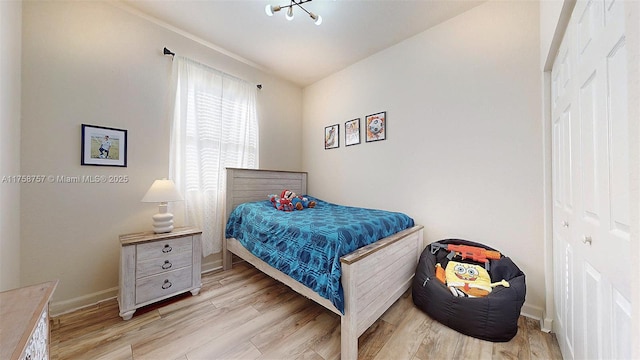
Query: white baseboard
[531,311]
[67,306]
[546,324]
[538,313]
[210,266]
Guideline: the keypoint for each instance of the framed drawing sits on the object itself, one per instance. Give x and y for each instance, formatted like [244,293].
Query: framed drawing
[352,132]
[376,125]
[332,136]
[103,146]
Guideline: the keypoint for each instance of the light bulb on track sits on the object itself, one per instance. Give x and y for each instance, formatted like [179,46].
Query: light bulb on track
[271,9]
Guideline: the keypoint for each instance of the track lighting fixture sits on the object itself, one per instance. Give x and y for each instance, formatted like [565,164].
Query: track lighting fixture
[271,9]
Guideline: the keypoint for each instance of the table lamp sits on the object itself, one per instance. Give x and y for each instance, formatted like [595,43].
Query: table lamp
[162,191]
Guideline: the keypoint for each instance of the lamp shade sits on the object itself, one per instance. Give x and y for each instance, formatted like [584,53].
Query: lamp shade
[162,191]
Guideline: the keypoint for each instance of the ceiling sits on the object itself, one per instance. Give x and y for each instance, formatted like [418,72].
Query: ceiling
[299,50]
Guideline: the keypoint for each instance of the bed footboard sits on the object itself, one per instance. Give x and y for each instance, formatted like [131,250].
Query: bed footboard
[373,278]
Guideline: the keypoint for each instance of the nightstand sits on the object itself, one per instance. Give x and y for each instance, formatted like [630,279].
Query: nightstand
[154,267]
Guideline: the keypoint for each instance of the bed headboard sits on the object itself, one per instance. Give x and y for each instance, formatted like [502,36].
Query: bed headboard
[245,185]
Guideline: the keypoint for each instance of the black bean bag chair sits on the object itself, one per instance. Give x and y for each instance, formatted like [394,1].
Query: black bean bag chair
[492,318]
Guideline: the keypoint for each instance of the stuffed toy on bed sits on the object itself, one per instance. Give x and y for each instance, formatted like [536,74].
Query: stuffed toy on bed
[281,203]
[299,202]
[288,201]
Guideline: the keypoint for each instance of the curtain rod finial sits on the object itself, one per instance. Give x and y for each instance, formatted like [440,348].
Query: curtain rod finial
[259,86]
[168,52]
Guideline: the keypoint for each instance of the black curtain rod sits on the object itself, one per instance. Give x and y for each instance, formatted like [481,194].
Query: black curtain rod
[169,52]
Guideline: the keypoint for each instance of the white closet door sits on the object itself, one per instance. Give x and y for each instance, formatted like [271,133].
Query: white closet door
[591,185]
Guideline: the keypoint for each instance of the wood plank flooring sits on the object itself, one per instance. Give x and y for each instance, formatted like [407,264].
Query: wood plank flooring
[243,314]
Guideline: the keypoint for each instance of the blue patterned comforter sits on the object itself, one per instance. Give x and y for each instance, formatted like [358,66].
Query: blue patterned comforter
[307,244]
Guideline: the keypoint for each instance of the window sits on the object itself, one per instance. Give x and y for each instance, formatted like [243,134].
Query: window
[214,126]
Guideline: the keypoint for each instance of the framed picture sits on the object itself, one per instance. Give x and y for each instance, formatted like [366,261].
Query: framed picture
[103,146]
[376,125]
[352,132]
[332,136]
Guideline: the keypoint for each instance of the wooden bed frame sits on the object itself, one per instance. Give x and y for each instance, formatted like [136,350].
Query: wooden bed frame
[373,277]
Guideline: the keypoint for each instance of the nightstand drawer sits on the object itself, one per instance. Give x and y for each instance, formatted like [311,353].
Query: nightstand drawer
[169,262]
[158,249]
[158,286]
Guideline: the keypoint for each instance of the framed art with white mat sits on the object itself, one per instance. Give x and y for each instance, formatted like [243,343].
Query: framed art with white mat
[103,146]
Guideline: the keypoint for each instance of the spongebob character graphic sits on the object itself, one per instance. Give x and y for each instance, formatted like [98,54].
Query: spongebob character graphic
[469,280]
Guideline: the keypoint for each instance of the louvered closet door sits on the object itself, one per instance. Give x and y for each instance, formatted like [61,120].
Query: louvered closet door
[591,227]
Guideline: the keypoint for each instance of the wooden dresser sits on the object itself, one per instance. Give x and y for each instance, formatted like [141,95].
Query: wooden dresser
[154,267]
[24,322]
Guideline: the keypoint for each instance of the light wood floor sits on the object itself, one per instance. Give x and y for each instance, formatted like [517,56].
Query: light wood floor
[243,314]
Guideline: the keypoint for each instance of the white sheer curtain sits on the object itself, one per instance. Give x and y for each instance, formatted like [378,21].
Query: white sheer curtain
[214,126]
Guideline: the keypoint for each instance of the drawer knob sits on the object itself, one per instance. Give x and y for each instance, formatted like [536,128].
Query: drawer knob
[167,284]
[167,249]
[167,265]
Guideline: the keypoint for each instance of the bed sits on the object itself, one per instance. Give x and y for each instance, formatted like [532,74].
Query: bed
[373,277]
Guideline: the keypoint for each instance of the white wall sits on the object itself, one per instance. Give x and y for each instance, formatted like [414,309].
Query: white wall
[550,15]
[94,63]
[463,154]
[10,43]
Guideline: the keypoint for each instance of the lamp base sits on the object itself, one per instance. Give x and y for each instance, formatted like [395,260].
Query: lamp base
[162,221]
